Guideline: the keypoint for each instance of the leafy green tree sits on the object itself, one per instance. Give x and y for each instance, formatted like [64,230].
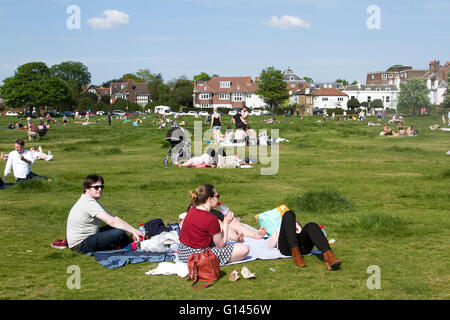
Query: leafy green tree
[343,81]
[308,79]
[413,96]
[182,93]
[202,77]
[33,86]
[71,70]
[132,76]
[353,103]
[377,103]
[271,87]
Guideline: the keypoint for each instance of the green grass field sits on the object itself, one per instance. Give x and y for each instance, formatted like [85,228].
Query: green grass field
[384,199]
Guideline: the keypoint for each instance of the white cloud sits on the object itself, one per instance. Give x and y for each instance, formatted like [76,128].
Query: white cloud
[110,19]
[286,22]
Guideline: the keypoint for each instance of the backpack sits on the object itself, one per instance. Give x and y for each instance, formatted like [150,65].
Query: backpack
[203,266]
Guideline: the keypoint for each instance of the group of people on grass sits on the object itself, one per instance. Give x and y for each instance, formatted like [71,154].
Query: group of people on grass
[401,131]
[201,227]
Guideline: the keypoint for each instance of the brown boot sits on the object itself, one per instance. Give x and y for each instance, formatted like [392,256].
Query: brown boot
[330,261]
[297,256]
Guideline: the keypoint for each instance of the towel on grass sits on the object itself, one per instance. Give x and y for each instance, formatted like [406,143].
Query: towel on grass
[259,249]
[112,259]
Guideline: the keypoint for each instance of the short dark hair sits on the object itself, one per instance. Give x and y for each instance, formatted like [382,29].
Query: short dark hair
[91,179]
[20,142]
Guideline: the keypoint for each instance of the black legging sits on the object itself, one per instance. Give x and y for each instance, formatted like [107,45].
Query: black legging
[310,236]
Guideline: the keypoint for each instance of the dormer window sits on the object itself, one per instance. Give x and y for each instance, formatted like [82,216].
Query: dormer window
[225,84]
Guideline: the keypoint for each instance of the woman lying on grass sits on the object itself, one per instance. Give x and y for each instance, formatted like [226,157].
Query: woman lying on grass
[294,240]
[201,229]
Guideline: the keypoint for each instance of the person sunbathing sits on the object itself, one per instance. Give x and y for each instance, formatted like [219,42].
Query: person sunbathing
[202,161]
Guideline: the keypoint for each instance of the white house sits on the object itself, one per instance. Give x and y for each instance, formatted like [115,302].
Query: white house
[329,98]
[367,93]
[437,90]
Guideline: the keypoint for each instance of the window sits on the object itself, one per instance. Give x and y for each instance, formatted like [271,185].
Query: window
[224,96]
[388,99]
[225,84]
[373,76]
[292,78]
[324,99]
[369,98]
[378,89]
[340,99]
[384,76]
[388,89]
[238,96]
[391,75]
[205,96]
[292,85]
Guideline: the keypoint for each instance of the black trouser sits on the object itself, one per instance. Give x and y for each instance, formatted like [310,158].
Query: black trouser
[310,236]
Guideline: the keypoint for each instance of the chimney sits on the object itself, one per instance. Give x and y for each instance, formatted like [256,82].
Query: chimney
[431,65]
[249,80]
[256,79]
[438,64]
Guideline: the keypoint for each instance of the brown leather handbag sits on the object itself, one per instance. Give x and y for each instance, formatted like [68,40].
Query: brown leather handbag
[203,266]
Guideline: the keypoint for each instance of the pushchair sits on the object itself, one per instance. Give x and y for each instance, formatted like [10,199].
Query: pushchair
[180,146]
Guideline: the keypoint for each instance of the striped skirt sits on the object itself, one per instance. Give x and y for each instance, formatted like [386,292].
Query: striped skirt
[223,254]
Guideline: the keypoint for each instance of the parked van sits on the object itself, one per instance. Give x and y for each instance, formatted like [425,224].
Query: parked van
[163,109]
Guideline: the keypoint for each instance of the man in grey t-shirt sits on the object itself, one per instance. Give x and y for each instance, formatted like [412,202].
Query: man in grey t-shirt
[83,223]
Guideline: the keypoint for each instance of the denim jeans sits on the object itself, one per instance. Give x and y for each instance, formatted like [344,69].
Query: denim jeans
[30,175]
[310,236]
[108,238]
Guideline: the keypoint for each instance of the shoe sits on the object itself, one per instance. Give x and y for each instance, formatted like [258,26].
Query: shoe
[59,244]
[234,276]
[297,256]
[330,261]
[50,157]
[49,153]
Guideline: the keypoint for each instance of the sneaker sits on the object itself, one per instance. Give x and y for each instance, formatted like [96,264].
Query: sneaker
[59,244]
[49,153]
[50,157]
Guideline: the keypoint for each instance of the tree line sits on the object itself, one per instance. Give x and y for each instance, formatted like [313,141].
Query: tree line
[60,88]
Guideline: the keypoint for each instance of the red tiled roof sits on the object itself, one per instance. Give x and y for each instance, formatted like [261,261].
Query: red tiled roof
[238,84]
[328,92]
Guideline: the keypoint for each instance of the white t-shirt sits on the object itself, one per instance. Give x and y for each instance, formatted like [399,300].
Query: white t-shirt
[20,168]
[82,221]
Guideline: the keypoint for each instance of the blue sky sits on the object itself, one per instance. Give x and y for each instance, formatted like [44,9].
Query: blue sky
[324,40]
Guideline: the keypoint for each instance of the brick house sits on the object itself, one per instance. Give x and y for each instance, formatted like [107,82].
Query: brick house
[304,99]
[436,78]
[99,92]
[227,92]
[130,90]
[293,82]
[396,76]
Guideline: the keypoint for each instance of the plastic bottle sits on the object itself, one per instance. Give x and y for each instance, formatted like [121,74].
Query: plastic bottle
[223,208]
[323,230]
[142,229]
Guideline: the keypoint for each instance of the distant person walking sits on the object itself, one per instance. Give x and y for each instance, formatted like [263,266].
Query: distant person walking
[109,118]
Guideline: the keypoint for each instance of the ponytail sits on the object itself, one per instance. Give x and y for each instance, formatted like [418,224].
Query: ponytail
[201,194]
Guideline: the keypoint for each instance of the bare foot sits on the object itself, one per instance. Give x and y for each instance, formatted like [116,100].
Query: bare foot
[261,233]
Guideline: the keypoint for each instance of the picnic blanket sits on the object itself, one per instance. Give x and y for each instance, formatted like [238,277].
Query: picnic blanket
[112,259]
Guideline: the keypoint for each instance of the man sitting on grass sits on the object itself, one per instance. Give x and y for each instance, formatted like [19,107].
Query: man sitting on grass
[83,223]
[20,161]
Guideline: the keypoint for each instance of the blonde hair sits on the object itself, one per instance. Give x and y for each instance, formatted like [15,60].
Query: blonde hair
[201,194]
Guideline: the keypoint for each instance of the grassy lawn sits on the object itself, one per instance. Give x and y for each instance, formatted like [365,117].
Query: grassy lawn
[384,199]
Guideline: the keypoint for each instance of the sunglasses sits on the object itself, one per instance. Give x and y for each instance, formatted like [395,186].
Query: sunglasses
[98,187]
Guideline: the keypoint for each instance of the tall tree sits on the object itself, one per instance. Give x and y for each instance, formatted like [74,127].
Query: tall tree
[182,92]
[33,86]
[202,77]
[413,96]
[271,86]
[71,70]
